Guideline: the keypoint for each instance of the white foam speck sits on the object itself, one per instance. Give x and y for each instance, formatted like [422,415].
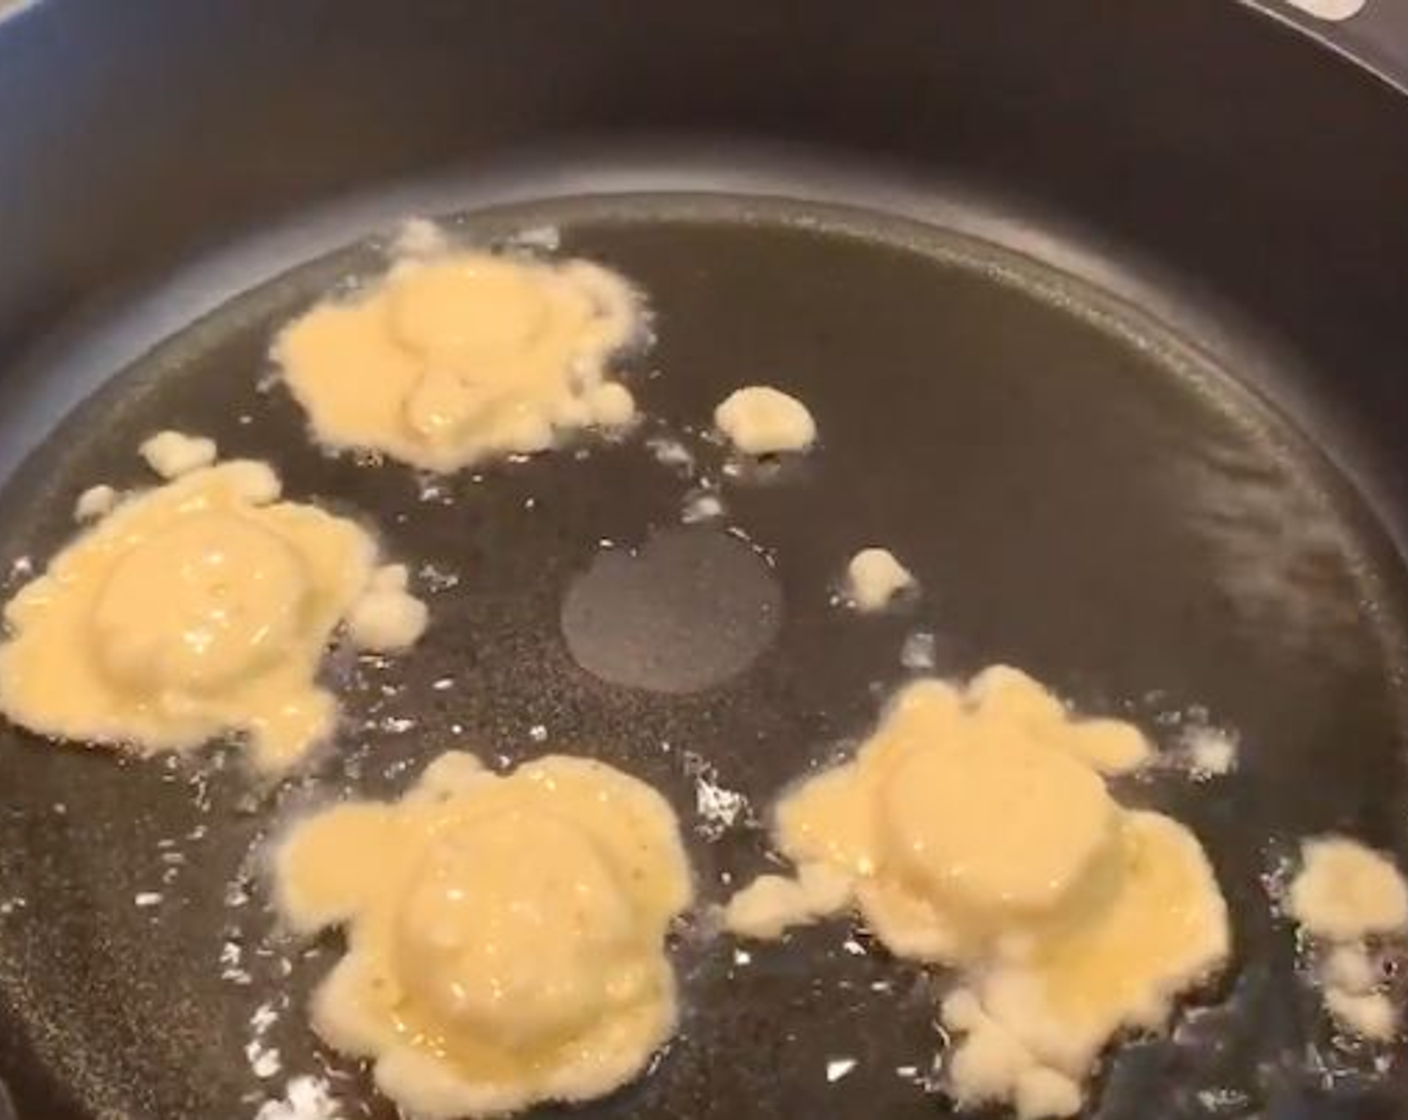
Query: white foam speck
[235,894]
[419,237]
[264,1061]
[1211,753]
[701,507]
[670,453]
[718,808]
[548,239]
[838,1068]
[305,1098]
[231,963]
[430,489]
[435,578]
[918,654]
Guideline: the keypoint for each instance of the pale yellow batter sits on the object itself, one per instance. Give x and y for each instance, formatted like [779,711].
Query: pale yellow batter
[387,617]
[761,420]
[96,501]
[505,934]
[457,357]
[974,829]
[194,609]
[171,453]
[874,577]
[1343,894]
[1345,891]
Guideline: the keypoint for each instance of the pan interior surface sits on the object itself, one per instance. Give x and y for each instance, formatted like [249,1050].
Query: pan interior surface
[1081,493]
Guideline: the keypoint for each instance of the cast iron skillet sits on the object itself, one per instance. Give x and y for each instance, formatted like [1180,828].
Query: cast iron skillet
[1099,305]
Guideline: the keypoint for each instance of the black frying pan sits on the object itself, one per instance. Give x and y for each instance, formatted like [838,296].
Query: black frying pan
[1101,309]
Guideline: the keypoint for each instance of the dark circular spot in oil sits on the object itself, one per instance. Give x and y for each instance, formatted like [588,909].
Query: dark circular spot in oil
[689,609]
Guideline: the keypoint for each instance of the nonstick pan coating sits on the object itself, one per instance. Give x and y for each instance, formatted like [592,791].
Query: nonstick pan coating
[1192,503]
[1083,495]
